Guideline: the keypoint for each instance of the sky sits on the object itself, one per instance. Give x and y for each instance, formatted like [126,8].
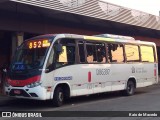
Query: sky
[148,6]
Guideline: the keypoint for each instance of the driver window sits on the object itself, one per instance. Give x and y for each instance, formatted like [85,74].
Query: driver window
[63,55]
[67,56]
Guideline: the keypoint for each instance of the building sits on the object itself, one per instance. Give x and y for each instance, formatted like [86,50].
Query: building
[22,19]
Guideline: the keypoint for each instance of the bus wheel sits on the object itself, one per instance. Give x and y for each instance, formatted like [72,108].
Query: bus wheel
[130,89]
[58,97]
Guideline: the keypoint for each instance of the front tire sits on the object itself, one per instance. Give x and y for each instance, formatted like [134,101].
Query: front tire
[58,97]
[130,89]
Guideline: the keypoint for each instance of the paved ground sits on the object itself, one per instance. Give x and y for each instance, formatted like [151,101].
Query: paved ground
[145,99]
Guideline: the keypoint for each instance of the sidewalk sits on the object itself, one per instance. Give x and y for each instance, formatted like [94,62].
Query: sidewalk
[2,95]
[1,91]
[3,98]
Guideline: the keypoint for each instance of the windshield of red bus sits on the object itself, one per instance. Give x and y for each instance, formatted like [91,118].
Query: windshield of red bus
[30,55]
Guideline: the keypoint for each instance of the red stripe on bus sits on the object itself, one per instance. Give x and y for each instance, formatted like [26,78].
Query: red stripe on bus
[21,83]
[89,76]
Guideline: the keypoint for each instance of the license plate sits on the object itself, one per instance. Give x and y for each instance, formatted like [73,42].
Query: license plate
[17,92]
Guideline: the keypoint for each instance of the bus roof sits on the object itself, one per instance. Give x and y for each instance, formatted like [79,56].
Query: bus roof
[118,40]
[115,36]
[103,37]
[108,39]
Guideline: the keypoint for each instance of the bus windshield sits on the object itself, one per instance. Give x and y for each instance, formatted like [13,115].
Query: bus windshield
[30,55]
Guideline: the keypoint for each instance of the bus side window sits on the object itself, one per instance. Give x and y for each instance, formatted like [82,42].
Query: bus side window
[132,53]
[96,52]
[147,53]
[81,52]
[115,53]
[91,53]
[71,54]
[101,53]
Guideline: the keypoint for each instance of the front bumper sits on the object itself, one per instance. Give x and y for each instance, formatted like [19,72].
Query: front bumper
[39,92]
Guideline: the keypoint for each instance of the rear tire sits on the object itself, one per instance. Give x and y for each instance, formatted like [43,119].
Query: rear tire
[58,97]
[130,89]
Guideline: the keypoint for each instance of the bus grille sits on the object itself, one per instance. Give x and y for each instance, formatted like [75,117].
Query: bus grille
[22,93]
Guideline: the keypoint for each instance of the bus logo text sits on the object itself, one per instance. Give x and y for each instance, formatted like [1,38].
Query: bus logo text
[63,78]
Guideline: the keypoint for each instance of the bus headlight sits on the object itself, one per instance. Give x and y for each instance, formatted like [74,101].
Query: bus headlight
[34,84]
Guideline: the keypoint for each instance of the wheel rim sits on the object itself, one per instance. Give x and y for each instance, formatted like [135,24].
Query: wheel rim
[60,96]
[130,88]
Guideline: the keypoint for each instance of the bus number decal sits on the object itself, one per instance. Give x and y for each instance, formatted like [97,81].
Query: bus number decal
[102,71]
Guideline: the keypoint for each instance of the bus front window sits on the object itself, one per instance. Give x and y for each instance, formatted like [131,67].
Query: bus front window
[30,55]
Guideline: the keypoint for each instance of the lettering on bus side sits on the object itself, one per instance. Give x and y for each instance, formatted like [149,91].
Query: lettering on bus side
[63,78]
[102,71]
[138,70]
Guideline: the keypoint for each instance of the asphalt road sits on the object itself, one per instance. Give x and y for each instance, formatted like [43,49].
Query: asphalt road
[145,99]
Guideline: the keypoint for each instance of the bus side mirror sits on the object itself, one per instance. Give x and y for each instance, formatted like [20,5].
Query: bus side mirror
[59,48]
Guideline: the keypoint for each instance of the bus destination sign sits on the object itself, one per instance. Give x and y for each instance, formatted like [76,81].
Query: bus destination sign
[38,44]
